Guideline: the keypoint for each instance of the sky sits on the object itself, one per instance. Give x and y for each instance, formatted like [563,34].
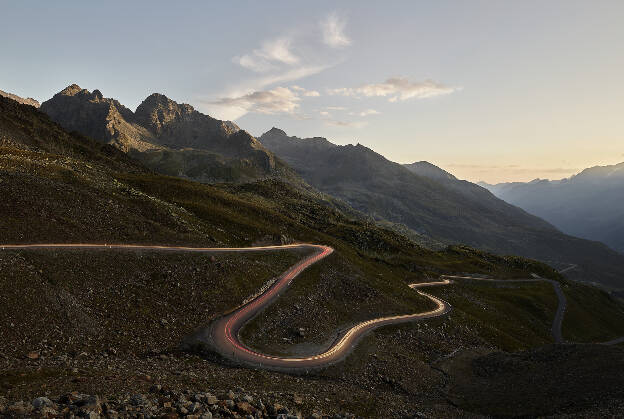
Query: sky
[488,90]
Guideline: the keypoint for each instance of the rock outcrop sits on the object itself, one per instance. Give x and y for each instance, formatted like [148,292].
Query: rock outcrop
[169,137]
[28,101]
[100,118]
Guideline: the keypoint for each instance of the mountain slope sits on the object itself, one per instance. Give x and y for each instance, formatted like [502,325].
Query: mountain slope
[111,322]
[444,208]
[28,101]
[426,169]
[171,138]
[588,205]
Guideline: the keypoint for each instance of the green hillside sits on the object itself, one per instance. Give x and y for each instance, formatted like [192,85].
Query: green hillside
[101,322]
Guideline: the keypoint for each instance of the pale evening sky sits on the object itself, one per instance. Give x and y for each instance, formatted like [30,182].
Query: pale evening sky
[489,90]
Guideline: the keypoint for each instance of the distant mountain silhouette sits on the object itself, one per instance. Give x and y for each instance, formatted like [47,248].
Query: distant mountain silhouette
[169,137]
[588,205]
[436,204]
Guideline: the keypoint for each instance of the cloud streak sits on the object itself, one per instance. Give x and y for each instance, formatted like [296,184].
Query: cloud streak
[268,56]
[333,28]
[396,88]
[270,102]
[305,92]
[345,124]
[280,100]
[366,112]
[278,61]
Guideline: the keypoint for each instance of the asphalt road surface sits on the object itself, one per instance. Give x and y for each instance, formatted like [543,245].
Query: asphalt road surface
[223,334]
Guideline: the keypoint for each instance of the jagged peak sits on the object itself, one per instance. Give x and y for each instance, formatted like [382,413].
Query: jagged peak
[276,131]
[71,90]
[75,90]
[160,101]
[158,98]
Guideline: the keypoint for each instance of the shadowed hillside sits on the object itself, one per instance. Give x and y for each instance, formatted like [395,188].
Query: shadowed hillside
[439,205]
[115,320]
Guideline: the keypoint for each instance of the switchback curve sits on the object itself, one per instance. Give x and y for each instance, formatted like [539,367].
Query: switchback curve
[223,333]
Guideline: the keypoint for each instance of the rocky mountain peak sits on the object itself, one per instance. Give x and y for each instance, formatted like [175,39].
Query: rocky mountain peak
[75,91]
[276,131]
[174,138]
[157,111]
[71,90]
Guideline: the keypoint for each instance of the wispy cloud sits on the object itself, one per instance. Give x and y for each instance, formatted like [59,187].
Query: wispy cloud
[274,101]
[366,112]
[288,75]
[228,104]
[396,88]
[333,28]
[268,56]
[305,92]
[279,61]
[345,124]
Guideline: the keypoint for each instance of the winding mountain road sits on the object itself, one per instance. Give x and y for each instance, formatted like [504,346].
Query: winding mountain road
[223,333]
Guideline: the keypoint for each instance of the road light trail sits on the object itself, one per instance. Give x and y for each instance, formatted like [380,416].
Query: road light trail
[223,334]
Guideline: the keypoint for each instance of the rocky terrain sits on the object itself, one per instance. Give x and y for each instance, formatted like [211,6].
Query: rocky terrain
[435,204]
[171,138]
[164,402]
[77,324]
[28,101]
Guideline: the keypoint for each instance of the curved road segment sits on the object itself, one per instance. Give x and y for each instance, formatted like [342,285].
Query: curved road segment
[223,334]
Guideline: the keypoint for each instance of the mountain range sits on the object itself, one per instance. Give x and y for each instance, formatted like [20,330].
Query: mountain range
[434,203]
[168,137]
[419,200]
[115,321]
[589,204]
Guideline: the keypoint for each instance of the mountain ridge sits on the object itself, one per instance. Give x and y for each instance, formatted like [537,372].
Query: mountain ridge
[442,207]
[25,101]
[132,310]
[424,168]
[169,137]
[586,205]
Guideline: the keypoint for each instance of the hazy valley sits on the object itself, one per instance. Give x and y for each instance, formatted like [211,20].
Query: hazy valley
[587,205]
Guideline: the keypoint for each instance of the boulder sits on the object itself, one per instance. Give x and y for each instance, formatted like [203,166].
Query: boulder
[41,402]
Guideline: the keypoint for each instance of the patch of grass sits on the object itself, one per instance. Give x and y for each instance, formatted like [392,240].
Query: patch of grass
[592,315]
[509,316]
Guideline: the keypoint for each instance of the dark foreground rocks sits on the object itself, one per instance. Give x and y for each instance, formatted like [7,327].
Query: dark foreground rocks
[160,402]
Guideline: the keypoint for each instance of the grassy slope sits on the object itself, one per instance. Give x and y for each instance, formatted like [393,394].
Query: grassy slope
[592,315]
[65,188]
